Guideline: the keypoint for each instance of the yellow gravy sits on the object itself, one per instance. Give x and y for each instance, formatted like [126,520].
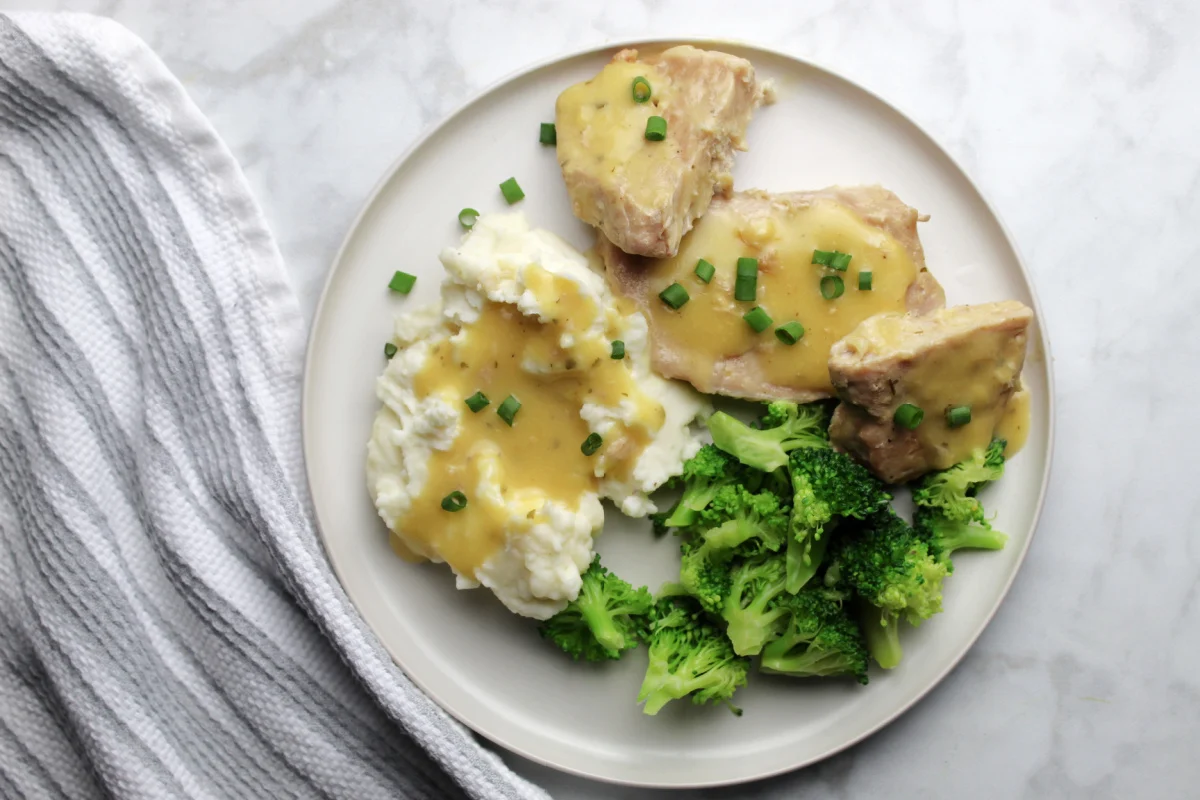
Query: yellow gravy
[710,329]
[538,458]
[979,371]
[602,131]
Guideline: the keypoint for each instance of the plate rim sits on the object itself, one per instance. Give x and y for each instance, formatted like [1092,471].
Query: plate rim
[710,42]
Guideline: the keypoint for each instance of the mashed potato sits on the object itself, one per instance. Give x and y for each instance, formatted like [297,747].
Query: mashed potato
[522,315]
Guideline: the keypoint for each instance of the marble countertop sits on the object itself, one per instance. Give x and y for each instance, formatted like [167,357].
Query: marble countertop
[1078,120]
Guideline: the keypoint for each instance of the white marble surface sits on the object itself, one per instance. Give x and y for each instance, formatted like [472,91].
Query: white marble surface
[1079,120]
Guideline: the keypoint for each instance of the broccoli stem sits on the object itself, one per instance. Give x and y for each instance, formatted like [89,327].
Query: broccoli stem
[818,663]
[973,537]
[801,566]
[882,631]
[595,612]
[749,628]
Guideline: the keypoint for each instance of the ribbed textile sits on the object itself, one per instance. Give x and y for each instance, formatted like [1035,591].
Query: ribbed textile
[169,626]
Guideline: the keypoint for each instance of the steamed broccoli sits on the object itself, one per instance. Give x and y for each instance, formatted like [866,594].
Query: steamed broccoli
[752,612]
[607,618]
[704,573]
[819,640]
[688,657]
[827,485]
[944,535]
[785,427]
[703,474]
[749,521]
[891,568]
[739,522]
[951,492]
[948,515]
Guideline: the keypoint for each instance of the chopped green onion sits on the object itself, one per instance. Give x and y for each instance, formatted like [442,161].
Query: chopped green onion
[402,282]
[840,261]
[757,319]
[705,270]
[957,416]
[508,409]
[832,287]
[389,350]
[618,349]
[455,501]
[823,257]
[477,402]
[467,218]
[674,296]
[548,134]
[591,444]
[745,286]
[656,129]
[511,191]
[789,333]
[640,89]
[908,416]
[864,281]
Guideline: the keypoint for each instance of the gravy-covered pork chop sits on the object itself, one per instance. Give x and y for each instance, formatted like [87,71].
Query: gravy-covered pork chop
[645,194]
[708,342]
[965,357]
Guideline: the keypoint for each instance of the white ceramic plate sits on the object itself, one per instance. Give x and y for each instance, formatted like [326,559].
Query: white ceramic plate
[488,667]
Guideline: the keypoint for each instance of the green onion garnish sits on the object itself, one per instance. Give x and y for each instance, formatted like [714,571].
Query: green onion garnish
[618,349]
[511,191]
[789,333]
[591,444]
[864,281]
[908,416]
[822,257]
[402,282]
[705,271]
[548,134]
[674,296]
[477,402]
[641,90]
[957,416]
[745,286]
[840,261]
[508,409]
[832,287]
[455,501]
[467,218]
[389,350]
[757,319]
[656,129]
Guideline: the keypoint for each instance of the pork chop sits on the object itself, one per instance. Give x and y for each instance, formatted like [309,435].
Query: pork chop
[708,343]
[644,195]
[964,356]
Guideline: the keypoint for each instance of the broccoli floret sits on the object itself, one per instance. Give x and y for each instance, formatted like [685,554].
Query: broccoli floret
[820,639]
[689,657]
[791,426]
[827,486]
[952,491]
[607,618]
[658,520]
[703,474]
[890,567]
[704,573]
[752,614]
[944,535]
[736,522]
[747,521]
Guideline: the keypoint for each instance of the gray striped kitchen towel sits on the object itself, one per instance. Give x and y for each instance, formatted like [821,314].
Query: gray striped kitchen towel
[169,626]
